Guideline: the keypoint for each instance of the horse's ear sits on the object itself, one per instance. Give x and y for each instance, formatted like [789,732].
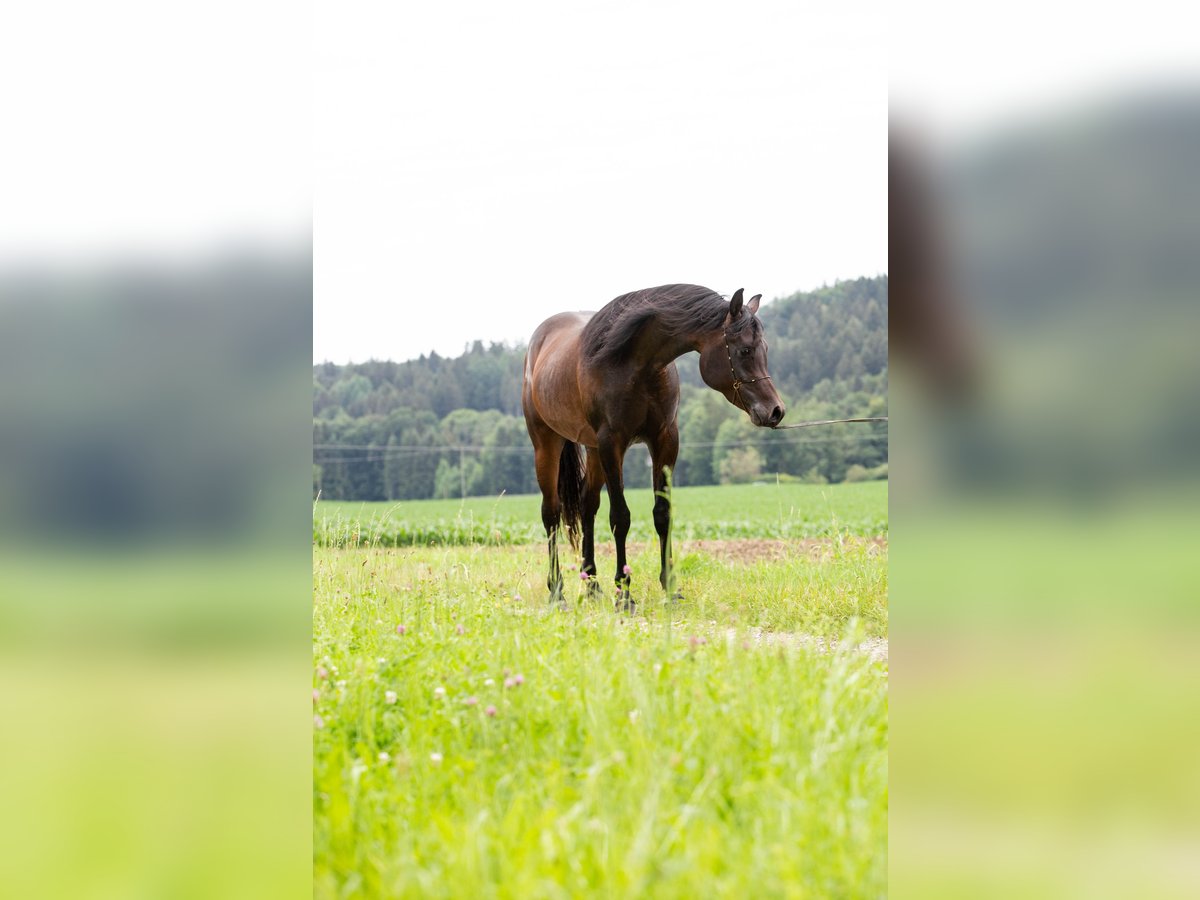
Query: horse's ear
[753,304]
[735,305]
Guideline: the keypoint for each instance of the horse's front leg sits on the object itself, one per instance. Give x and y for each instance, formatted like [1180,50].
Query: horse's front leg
[612,455]
[663,452]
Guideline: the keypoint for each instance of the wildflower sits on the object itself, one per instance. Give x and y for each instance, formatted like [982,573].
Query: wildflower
[316,696]
[435,758]
[516,597]
[342,683]
[322,672]
[389,697]
[515,681]
[401,629]
[384,756]
[471,701]
[318,722]
[460,630]
[491,711]
[627,569]
[488,682]
[439,692]
[583,576]
[508,682]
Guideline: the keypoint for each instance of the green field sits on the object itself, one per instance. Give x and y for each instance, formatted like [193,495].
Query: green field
[785,511]
[470,740]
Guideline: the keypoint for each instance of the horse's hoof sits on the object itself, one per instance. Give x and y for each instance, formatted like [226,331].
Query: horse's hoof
[677,594]
[624,603]
[594,591]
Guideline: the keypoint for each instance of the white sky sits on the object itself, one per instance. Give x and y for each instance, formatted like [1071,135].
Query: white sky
[469,168]
[138,127]
[481,166]
[964,71]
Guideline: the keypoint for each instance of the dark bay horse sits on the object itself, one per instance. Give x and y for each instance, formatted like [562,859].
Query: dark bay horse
[606,380]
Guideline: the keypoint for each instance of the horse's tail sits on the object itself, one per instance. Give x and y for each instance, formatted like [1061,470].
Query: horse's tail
[570,490]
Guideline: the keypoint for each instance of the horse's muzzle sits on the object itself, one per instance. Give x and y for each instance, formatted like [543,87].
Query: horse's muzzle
[760,417]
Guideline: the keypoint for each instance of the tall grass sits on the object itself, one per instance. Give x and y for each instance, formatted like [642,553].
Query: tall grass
[658,756]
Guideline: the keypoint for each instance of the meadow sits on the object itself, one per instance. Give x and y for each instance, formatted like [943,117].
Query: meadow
[471,740]
[780,511]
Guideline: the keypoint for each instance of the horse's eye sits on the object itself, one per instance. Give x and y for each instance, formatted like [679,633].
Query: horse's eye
[745,351]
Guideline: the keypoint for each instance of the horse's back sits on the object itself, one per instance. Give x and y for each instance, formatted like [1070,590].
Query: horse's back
[556,332]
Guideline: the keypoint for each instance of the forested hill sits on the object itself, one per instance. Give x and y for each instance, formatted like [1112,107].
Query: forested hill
[438,426]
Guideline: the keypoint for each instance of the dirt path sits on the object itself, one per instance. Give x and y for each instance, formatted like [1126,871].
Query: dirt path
[876,648]
[749,550]
[752,550]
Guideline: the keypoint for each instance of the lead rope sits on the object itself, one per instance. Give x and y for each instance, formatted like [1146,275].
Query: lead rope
[828,422]
[737,390]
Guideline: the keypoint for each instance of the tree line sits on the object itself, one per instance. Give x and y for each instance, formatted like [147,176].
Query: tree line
[451,427]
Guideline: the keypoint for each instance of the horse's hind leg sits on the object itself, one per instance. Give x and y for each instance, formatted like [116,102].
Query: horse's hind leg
[591,503]
[547,448]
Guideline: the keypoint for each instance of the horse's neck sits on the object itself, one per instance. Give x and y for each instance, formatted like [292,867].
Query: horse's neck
[657,348]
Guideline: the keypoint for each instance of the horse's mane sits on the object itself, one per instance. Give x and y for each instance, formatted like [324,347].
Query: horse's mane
[679,309]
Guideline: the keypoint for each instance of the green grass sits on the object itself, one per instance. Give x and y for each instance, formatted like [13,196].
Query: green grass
[674,753]
[659,756]
[786,511]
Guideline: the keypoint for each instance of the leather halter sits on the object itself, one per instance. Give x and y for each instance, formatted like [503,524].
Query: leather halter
[737,391]
[737,382]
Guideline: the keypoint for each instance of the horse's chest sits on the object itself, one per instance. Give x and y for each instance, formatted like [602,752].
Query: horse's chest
[638,407]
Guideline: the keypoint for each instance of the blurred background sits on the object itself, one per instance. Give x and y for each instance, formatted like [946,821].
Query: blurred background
[155,356]
[1044,231]
[155,343]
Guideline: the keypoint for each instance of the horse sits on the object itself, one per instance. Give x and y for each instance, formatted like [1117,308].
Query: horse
[603,381]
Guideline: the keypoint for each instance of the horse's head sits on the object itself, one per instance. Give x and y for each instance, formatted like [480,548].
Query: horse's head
[734,362]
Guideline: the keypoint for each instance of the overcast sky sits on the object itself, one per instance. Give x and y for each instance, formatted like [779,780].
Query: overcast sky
[471,168]
[480,167]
